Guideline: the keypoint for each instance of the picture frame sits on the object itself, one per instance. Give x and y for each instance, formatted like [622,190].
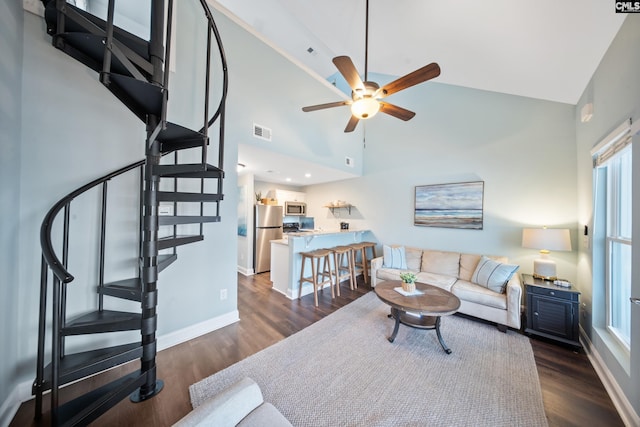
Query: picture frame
[451,205]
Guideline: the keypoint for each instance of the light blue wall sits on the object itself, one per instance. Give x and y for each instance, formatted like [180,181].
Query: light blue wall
[11,26]
[268,89]
[522,148]
[614,91]
[74,130]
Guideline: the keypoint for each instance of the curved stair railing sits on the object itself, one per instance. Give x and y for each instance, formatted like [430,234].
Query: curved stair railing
[134,71]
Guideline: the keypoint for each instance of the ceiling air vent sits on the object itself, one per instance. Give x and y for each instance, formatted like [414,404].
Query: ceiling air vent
[261,132]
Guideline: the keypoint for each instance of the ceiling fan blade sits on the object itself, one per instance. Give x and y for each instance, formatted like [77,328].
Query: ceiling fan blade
[353,121]
[395,111]
[349,72]
[420,75]
[323,106]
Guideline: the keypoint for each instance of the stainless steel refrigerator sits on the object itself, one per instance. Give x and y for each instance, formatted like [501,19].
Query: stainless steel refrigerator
[268,221]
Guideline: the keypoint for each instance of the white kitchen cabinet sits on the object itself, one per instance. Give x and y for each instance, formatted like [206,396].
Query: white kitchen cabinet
[290,196]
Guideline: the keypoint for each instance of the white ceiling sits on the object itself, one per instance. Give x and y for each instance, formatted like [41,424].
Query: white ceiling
[269,166]
[545,49]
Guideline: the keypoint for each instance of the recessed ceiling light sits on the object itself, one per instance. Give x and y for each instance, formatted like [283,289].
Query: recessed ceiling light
[307,175]
[288,179]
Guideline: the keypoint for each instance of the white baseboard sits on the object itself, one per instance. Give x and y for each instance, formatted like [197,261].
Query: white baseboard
[194,331]
[22,392]
[245,271]
[620,401]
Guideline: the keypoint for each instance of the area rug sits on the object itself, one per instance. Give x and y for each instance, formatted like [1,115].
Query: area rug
[342,371]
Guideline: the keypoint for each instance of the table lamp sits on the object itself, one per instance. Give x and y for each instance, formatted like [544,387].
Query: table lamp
[546,240]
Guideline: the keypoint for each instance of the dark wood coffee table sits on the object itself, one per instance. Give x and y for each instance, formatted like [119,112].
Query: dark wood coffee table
[418,311]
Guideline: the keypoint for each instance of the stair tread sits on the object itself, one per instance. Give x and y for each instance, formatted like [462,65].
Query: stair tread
[133,42]
[141,97]
[79,365]
[103,321]
[181,196]
[173,241]
[175,134]
[86,408]
[133,282]
[190,170]
[165,260]
[186,219]
[130,289]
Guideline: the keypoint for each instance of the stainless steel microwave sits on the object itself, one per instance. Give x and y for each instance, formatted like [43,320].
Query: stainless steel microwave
[295,208]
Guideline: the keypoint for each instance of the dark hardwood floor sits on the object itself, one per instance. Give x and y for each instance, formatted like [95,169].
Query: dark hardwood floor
[573,394]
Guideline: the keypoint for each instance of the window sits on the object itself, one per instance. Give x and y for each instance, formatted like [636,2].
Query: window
[612,163]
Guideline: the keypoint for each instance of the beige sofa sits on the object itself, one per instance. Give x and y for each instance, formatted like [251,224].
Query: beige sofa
[462,274]
[241,404]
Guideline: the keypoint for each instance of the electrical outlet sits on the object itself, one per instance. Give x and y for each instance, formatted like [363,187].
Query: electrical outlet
[223,294]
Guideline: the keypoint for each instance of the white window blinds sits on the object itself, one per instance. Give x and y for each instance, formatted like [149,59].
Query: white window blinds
[617,140]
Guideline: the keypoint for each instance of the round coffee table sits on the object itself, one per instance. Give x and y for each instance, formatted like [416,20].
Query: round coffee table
[421,311]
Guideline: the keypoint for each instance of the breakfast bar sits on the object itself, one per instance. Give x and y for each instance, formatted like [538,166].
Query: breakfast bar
[286,259]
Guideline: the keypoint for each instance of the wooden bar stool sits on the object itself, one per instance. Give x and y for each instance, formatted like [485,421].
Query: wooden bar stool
[319,276]
[342,271]
[362,266]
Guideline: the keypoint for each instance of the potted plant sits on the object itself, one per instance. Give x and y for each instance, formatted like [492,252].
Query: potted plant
[408,281]
[258,197]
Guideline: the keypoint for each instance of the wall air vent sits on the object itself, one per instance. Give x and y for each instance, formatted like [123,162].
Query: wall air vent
[261,132]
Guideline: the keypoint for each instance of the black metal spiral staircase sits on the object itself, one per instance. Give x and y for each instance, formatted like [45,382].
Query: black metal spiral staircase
[133,69]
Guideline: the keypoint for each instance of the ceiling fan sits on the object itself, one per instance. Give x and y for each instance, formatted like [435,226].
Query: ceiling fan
[366,95]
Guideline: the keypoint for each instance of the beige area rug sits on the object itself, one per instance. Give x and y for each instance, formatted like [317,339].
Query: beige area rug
[342,371]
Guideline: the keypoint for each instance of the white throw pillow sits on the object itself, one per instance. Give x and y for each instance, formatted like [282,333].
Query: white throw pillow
[394,257]
[493,275]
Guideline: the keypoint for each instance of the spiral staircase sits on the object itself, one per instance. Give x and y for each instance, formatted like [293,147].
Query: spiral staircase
[133,69]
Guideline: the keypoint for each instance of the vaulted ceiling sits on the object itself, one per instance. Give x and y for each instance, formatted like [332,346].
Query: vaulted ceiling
[544,49]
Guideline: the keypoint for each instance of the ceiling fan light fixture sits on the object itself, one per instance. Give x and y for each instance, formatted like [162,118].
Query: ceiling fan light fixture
[365,107]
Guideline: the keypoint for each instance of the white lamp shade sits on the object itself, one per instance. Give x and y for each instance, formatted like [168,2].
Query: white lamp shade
[548,239]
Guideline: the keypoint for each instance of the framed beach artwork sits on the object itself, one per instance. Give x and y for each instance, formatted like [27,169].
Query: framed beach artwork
[457,205]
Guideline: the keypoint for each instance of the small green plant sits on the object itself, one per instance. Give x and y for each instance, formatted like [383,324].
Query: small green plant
[258,196]
[408,277]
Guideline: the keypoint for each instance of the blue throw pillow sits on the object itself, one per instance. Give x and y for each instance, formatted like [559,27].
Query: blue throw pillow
[492,274]
[394,257]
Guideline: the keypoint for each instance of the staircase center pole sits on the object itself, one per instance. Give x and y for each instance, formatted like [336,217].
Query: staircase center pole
[152,386]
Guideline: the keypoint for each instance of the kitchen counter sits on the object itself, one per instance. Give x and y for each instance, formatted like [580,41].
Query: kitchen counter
[286,260]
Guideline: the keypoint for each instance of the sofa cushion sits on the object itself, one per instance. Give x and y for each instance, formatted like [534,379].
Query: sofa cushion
[439,280]
[492,274]
[446,263]
[394,257]
[472,292]
[264,415]
[388,274]
[226,408]
[414,258]
[469,262]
